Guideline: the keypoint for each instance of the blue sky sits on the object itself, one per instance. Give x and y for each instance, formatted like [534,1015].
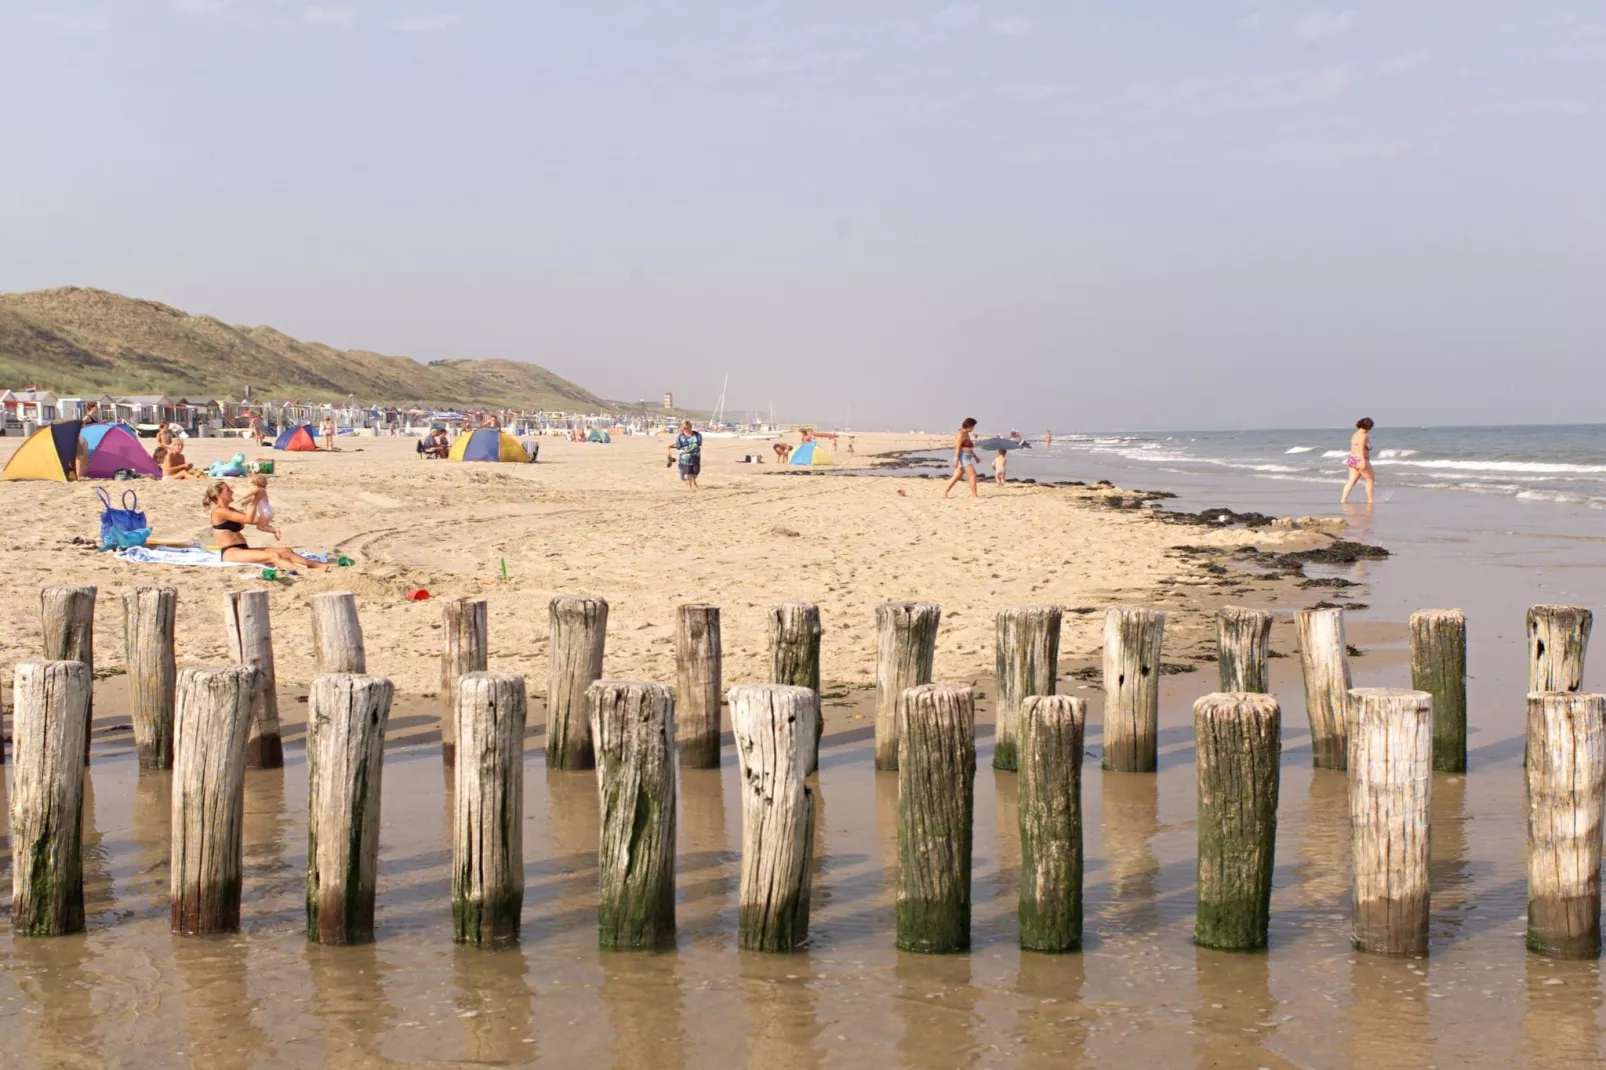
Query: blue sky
[1070,214]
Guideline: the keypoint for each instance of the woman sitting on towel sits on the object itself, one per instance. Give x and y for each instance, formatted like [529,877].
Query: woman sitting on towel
[228,526]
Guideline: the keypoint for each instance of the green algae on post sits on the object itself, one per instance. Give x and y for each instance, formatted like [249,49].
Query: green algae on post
[1439,667]
[1050,805]
[936,811]
[346,718]
[1239,742]
[632,725]
[50,717]
[1566,794]
[488,809]
[1027,663]
[699,688]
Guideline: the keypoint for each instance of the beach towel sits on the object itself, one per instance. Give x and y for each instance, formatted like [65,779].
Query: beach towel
[195,555]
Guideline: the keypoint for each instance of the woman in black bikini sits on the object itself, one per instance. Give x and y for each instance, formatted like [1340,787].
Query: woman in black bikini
[229,523]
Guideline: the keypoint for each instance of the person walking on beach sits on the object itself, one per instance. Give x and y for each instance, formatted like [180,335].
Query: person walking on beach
[999,464]
[964,458]
[1359,460]
[688,449]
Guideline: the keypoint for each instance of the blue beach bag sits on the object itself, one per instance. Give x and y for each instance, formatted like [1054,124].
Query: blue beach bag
[122,528]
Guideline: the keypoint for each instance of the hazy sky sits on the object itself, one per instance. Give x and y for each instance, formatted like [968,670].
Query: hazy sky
[1084,215]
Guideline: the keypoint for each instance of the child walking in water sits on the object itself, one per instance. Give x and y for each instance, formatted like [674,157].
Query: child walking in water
[259,497]
[999,463]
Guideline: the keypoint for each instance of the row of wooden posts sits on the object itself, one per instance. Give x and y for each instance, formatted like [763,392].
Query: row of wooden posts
[209,724]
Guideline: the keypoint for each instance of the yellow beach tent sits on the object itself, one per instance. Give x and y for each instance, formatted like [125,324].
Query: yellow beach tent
[50,453]
[488,444]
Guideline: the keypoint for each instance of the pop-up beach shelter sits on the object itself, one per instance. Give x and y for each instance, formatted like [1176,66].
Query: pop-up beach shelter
[598,435]
[810,453]
[297,438]
[49,453]
[114,448]
[487,444]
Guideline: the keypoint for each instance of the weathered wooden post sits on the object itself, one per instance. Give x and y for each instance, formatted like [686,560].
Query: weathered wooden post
[1027,663]
[488,813]
[337,634]
[346,718]
[795,656]
[250,635]
[906,648]
[699,686]
[1390,780]
[148,619]
[465,648]
[1239,742]
[1566,793]
[936,808]
[1558,638]
[774,729]
[1050,806]
[633,726]
[48,723]
[67,614]
[211,726]
[1439,667]
[579,634]
[1133,639]
[1324,661]
[1243,649]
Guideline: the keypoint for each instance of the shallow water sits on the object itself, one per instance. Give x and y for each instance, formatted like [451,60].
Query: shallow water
[128,993]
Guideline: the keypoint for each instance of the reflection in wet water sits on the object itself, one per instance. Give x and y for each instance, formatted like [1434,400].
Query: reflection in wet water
[1140,995]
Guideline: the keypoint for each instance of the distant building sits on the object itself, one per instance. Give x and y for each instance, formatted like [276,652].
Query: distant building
[30,404]
[669,400]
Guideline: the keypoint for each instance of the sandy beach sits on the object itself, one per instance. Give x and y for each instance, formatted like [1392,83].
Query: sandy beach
[613,520]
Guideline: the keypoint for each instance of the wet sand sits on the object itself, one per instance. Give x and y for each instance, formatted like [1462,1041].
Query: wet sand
[128,993]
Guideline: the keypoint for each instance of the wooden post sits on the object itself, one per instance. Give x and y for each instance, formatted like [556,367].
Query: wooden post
[633,725]
[698,686]
[906,647]
[48,722]
[337,634]
[1566,793]
[250,636]
[1324,661]
[211,726]
[1027,663]
[795,656]
[1050,806]
[1239,742]
[67,614]
[936,808]
[774,729]
[1390,780]
[1133,638]
[148,618]
[1558,638]
[579,634]
[488,814]
[1439,667]
[1243,649]
[346,717]
[466,648]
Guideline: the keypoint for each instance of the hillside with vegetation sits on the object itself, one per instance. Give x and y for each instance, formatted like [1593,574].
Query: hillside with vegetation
[80,341]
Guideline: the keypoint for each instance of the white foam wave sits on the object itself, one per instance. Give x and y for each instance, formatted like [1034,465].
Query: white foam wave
[1300,449]
[1391,454]
[1335,453]
[1538,467]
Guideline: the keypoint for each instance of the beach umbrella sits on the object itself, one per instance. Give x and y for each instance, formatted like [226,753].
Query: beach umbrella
[999,443]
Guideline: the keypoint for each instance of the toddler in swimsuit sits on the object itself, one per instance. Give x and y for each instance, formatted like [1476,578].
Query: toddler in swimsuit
[259,495]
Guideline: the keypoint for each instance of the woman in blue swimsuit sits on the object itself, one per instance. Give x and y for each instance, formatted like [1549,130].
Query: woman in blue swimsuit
[964,457]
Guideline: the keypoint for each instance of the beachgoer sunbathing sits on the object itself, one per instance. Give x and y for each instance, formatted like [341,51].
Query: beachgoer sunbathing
[228,526]
[170,459]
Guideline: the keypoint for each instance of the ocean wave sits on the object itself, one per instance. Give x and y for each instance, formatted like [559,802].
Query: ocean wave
[1538,467]
[1395,454]
[1300,449]
[1335,453]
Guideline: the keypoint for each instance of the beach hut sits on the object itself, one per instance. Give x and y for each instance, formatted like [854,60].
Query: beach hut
[487,444]
[809,453]
[49,453]
[115,448]
[295,437]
